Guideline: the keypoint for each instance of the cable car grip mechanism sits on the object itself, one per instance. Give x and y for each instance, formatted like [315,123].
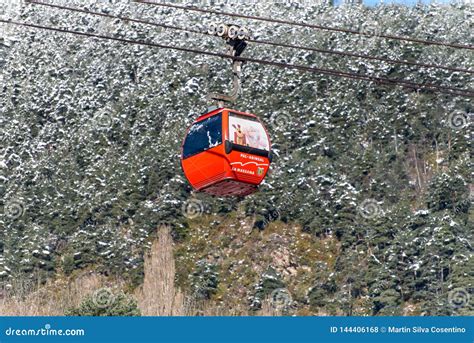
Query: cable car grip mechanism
[236,47]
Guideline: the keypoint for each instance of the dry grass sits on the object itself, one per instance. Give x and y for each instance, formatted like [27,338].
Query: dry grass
[52,299]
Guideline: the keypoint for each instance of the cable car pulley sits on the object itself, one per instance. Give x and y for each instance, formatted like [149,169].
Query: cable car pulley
[235,38]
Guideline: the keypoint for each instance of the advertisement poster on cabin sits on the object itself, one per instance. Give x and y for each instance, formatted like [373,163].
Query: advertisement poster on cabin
[247,133]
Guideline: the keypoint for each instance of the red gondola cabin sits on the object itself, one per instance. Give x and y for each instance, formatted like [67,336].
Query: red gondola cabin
[226,152]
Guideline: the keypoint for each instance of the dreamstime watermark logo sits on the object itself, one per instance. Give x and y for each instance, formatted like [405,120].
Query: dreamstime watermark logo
[201,69]
[458,297]
[4,30]
[103,120]
[164,192]
[370,30]
[103,298]
[272,215]
[192,208]
[280,121]
[47,330]
[458,120]
[14,209]
[281,299]
[384,285]
[107,25]
[369,209]
[9,8]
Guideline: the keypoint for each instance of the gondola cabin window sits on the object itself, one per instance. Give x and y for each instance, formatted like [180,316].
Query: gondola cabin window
[203,135]
[247,131]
